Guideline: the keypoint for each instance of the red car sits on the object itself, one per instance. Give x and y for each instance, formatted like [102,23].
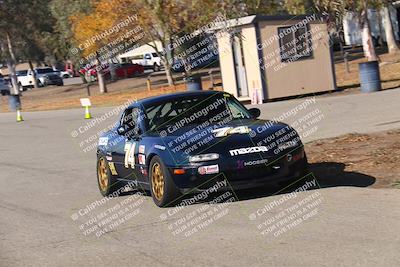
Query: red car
[128,70]
[123,70]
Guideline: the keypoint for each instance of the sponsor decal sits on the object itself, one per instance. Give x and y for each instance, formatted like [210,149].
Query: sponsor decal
[143,170]
[141,149]
[241,163]
[142,159]
[248,150]
[255,162]
[103,141]
[225,131]
[159,147]
[112,168]
[212,169]
[129,154]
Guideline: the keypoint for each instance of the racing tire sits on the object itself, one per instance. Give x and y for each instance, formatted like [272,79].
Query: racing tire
[108,184]
[162,188]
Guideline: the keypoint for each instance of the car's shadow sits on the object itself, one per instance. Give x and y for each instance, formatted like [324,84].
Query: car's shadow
[326,174]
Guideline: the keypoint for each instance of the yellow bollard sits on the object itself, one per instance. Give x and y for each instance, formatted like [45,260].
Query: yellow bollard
[148,85]
[19,116]
[87,113]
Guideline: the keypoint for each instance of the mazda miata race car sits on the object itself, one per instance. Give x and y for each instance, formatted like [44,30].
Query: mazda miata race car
[179,143]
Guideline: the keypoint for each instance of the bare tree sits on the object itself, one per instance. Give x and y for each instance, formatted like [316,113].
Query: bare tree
[368,44]
[11,61]
[390,39]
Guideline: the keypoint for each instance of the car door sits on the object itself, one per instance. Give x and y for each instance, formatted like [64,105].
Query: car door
[126,153]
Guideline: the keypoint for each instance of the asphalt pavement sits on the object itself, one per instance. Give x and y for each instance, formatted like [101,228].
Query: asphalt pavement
[53,215]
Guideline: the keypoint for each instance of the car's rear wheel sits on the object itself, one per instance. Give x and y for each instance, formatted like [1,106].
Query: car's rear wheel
[162,188]
[108,184]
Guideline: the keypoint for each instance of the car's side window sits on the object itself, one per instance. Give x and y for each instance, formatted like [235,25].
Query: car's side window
[130,120]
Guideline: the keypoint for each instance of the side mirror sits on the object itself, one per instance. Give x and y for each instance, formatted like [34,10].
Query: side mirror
[255,112]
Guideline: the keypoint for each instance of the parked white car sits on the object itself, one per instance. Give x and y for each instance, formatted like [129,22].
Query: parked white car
[4,87]
[148,61]
[65,74]
[45,76]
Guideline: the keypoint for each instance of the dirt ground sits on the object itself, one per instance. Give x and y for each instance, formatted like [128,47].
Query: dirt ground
[389,69]
[357,160]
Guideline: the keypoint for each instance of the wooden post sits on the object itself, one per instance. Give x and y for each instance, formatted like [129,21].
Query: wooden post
[346,62]
[211,79]
[88,89]
[148,83]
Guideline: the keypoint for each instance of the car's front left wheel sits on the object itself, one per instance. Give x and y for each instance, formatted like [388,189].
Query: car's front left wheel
[108,184]
[162,188]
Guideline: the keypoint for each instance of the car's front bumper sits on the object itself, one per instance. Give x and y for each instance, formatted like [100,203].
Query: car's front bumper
[239,177]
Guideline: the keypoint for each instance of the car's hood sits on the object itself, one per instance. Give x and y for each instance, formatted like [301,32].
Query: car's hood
[193,139]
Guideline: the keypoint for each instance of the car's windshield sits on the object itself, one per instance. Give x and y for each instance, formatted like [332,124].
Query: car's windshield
[197,109]
[22,73]
[46,70]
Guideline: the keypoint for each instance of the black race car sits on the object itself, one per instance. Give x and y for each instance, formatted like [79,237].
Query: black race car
[178,143]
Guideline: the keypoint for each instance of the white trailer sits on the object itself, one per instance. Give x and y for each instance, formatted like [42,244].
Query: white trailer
[144,55]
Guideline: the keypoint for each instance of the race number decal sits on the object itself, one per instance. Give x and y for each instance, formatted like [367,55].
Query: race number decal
[129,155]
[221,132]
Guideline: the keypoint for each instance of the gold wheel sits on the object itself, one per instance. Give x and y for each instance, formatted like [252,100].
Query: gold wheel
[102,174]
[157,181]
